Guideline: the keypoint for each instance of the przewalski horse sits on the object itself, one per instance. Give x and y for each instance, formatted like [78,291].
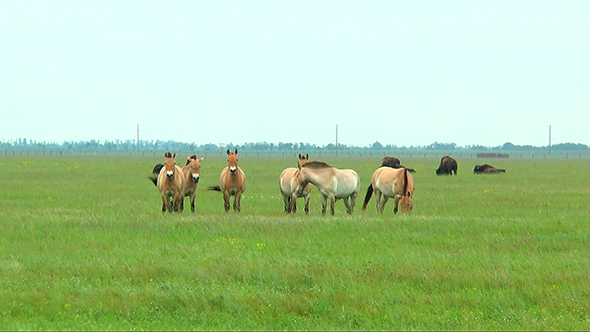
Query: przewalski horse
[487,169]
[385,162]
[395,183]
[448,165]
[232,182]
[288,187]
[192,174]
[332,183]
[170,183]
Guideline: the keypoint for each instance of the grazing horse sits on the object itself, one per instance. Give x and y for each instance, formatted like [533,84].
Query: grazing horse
[232,181]
[448,165]
[385,162]
[487,169]
[288,187]
[393,183]
[332,183]
[191,171]
[170,182]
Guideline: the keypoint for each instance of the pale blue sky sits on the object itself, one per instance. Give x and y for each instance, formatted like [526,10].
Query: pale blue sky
[400,72]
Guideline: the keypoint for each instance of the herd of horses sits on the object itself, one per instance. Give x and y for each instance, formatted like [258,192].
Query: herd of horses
[390,180]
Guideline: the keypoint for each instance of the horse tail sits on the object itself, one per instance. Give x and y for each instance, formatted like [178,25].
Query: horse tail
[368,196]
[154,179]
[405,181]
[216,188]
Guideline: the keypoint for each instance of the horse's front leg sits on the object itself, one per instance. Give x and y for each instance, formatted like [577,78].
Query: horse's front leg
[237,201]
[348,210]
[332,201]
[324,203]
[286,200]
[193,201]
[226,204]
[395,203]
[178,202]
[164,202]
[307,203]
[378,199]
[294,202]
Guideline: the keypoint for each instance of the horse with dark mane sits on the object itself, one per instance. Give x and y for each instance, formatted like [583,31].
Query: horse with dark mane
[394,183]
[232,182]
[387,161]
[288,187]
[192,174]
[333,183]
[170,183]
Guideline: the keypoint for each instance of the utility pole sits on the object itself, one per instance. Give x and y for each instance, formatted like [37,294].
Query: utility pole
[549,139]
[138,137]
[336,141]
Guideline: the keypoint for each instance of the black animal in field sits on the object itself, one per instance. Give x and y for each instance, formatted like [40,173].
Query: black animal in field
[448,165]
[487,169]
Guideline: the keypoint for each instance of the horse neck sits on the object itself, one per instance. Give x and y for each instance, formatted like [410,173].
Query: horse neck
[315,177]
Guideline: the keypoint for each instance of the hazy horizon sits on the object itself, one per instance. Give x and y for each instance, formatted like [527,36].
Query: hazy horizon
[464,72]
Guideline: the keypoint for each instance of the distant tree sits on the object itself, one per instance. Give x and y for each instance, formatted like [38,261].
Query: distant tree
[377,146]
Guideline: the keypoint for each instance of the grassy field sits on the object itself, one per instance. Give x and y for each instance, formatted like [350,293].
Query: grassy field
[84,246]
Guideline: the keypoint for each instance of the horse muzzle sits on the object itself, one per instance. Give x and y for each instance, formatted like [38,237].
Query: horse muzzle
[233,170]
[169,175]
[195,178]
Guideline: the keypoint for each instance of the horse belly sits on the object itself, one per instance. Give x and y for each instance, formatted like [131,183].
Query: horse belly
[345,188]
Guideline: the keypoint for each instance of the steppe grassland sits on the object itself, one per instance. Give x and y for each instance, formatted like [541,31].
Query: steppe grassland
[84,245]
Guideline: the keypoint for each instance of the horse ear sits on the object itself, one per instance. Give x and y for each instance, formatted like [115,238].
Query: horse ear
[228,152]
[299,156]
[307,156]
[236,151]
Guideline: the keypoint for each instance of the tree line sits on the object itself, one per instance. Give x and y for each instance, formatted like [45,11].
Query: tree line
[158,145]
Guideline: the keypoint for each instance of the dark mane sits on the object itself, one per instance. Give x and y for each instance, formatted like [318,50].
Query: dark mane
[316,165]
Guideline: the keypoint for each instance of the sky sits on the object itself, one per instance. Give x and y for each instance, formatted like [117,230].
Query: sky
[405,73]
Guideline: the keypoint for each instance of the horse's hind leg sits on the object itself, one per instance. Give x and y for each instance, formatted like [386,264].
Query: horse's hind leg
[294,203]
[307,203]
[352,202]
[383,202]
[332,201]
[378,199]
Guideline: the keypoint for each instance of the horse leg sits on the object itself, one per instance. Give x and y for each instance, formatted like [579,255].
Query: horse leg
[193,201]
[332,201]
[352,202]
[226,200]
[237,200]
[164,203]
[347,205]
[287,203]
[324,203]
[307,203]
[378,199]
[178,202]
[395,203]
[294,203]
[383,202]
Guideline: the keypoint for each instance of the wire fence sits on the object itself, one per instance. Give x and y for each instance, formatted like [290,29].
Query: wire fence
[316,153]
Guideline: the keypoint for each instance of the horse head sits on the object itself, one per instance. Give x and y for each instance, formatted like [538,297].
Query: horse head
[232,161]
[169,165]
[302,160]
[194,164]
[406,203]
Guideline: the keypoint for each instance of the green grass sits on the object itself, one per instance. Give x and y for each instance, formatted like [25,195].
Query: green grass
[84,245]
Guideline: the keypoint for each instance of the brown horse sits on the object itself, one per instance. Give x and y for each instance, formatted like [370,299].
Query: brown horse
[388,162]
[192,174]
[170,182]
[288,187]
[393,183]
[332,183]
[232,182]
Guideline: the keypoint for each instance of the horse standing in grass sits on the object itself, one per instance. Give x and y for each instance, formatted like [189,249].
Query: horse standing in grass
[389,162]
[170,183]
[395,183]
[332,183]
[288,187]
[192,172]
[232,182]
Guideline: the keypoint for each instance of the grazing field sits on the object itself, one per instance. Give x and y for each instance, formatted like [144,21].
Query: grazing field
[84,245]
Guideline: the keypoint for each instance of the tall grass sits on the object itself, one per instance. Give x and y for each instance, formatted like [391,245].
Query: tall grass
[84,245]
